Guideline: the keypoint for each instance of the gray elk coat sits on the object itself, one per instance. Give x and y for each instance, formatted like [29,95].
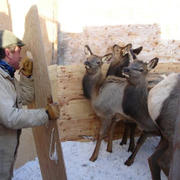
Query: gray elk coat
[13,118]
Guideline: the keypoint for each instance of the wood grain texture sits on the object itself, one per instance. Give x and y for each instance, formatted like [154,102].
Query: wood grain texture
[33,39]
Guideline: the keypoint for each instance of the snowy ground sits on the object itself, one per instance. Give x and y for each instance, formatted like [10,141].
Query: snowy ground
[108,166]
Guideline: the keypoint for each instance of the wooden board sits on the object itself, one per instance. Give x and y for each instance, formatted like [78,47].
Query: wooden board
[77,120]
[42,135]
[5,16]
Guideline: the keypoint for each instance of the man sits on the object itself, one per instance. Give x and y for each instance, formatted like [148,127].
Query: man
[13,95]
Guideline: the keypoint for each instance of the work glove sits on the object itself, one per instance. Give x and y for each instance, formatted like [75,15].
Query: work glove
[26,67]
[52,109]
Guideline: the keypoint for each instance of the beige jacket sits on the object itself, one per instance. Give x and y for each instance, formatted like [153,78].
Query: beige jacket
[13,95]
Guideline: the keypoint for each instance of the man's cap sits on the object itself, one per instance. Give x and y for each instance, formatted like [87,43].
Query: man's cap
[7,38]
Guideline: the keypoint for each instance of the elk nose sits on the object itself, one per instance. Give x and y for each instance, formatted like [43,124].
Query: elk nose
[125,70]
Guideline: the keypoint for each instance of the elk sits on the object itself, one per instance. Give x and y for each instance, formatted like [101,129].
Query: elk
[161,107]
[166,97]
[102,95]
[118,62]
[174,173]
[135,100]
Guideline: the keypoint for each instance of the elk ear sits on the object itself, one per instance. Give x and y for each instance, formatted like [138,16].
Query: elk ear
[87,50]
[126,49]
[116,48]
[152,63]
[137,50]
[106,57]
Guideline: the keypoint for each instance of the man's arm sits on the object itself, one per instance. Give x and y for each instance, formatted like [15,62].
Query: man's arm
[14,118]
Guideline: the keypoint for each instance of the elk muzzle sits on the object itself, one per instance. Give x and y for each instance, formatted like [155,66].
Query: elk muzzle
[125,72]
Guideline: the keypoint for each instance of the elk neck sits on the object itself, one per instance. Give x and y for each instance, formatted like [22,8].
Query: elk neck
[92,84]
[117,65]
[135,105]
[98,81]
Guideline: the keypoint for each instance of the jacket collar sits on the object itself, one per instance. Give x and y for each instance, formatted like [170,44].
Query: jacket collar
[5,74]
[7,68]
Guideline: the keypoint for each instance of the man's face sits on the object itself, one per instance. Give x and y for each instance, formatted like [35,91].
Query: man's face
[14,58]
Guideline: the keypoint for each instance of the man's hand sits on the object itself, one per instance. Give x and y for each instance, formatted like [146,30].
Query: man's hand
[52,110]
[26,67]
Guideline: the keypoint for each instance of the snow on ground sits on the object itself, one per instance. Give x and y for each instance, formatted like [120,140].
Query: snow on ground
[108,166]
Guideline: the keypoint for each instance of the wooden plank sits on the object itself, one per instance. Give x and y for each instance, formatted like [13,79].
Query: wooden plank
[5,16]
[77,120]
[49,27]
[42,135]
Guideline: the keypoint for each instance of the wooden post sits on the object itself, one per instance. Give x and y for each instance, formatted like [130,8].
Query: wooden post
[33,38]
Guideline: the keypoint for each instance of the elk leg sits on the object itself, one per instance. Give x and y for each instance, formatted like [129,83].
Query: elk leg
[153,160]
[174,169]
[110,136]
[125,134]
[141,140]
[103,131]
[165,160]
[96,150]
[132,134]
[159,144]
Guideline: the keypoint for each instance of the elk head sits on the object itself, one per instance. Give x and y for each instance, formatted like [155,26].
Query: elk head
[138,69]
[93,62]
[119,51]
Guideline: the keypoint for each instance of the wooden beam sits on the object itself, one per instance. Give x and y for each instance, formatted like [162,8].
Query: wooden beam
[33,38]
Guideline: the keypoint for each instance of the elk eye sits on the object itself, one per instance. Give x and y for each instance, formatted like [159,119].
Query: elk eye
[98,62]
[141,70]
